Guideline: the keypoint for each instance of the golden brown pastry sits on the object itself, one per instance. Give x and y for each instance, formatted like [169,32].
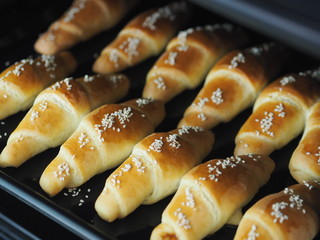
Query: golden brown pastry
[279,114]
[153,170]
[305,160]
[292,214]
[189,57]
[103,139]
[56,113]
[234,83]
[212,194]
[21,82]
[82,20]
[144,36]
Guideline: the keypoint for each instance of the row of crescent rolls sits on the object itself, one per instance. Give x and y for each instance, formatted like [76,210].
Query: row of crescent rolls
[21,82]
[83,20]
[56,113]
[188,58]
[279,114]
[103,139]
[234,83]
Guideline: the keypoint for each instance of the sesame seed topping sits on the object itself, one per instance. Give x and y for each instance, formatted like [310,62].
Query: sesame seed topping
[159,81]
[143,101]
[201,102]
[137,162]
[277,212]
[307,184]
[216,96]
[43,105]
[49,62]
[182,220]
[88,78]
[114,57]
[156,145]
[266,123]
[186,129]
[108,121]
[239,58]
[62,171]
[202,117]
[171,60]
[59,84]
[69,16]
[280,109]
[286,80]
[130,46]
[172,139]
[126,167]
[83,140]
[190,199]
[166,12]
[258,50]
[34,115]
[253,235]
[214,171]
[114,179]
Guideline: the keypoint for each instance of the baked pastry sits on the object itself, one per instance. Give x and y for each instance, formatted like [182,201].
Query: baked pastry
[157,163]
[103,139]
[56,113]
[290,214]
[234,83]
[21,82]
[279,114]
[305,160]
[83,20]
[212,194]
[189,57]
[144,36]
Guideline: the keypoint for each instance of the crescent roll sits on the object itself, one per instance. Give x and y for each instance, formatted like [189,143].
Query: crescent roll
[279,114]
[21,82]
[212,194]
[234,83]
[290,214]
[56,113]
[82,20]
[305,160]
[153,170]
[103,139]
[189,57]
[144,36]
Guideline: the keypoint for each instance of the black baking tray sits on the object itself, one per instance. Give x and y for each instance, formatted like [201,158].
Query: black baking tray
[74,209]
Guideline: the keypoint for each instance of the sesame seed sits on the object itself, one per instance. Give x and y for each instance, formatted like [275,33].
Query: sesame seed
[156,145]
[62,171]
[130,46]
[34,115]
[143,101]
[88,78]
[253,235]
[159,81]
[114,57]
[216,96]
[286,80]
[172,139]
[171,60]
[201,102]
[182,220]
[137,162]
[239,58]
[202,117]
